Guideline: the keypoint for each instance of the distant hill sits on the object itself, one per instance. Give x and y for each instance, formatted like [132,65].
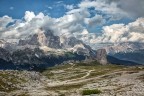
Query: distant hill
[117,61]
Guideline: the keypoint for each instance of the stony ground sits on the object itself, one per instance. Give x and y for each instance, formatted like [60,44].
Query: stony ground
[71,80]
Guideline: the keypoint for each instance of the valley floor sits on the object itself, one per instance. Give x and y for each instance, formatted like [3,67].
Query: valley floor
[72,80]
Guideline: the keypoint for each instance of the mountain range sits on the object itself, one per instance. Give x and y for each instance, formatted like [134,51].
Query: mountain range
[43,49]
[128,51]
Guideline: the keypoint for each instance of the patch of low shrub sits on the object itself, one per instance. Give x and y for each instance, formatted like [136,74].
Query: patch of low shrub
[89,92]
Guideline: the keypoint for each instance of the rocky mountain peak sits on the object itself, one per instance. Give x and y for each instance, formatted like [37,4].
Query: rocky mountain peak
[42,38]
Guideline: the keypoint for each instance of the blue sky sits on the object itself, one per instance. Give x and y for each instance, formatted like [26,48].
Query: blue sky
[93,21]
[54,8]
[17,8]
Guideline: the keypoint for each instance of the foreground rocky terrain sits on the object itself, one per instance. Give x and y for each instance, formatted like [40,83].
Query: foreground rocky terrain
[73,79]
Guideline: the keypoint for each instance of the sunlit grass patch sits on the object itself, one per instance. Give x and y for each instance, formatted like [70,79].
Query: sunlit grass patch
[66,87]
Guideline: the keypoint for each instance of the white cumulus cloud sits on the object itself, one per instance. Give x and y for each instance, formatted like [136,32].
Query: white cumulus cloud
[77,19]
[29,15]
[132,32]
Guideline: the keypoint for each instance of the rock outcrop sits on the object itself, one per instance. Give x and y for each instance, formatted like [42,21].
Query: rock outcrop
[42,38]
[101,56]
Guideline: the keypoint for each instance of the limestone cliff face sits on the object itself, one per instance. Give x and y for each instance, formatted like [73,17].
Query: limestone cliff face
[42,38]
[101,56]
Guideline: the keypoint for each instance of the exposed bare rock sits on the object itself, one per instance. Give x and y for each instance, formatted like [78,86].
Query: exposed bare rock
[42,38]
[4,54]
[101,55]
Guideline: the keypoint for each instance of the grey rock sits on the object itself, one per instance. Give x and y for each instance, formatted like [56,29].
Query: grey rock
[101,56]
[45,38]
[4,54]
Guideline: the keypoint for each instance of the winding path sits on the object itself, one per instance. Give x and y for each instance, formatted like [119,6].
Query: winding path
[79,80]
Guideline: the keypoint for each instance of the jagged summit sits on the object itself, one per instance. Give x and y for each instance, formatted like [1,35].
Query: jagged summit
[42,38]
[46,40]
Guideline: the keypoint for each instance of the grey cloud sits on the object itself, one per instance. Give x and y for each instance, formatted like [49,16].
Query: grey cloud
[133,7]
[95,21]
[110,8]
